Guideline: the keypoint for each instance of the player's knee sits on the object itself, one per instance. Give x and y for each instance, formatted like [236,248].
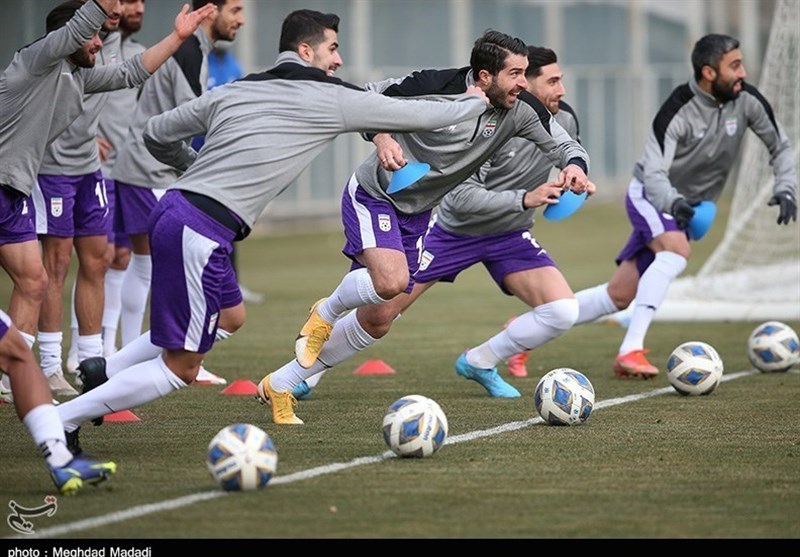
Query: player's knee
[34,285]
[377,322]
[389,285]
[622,296]
[563,314]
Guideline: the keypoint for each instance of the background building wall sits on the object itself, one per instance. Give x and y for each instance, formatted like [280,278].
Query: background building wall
[620,58]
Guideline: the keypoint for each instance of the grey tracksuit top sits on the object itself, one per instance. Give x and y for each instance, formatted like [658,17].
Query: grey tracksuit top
[457,151]
[74,152]
[694,140]
[41,93]
[181,79]
[263,130]
[490,201]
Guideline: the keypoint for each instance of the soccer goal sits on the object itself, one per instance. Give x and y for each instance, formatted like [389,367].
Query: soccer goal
[754,274]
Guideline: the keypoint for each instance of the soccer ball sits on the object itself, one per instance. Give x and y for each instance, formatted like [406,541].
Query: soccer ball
[564,397]
[414,426]
[241,457]
[773,346]
[694,368]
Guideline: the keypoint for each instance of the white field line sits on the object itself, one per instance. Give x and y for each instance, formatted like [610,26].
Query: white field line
[143,510]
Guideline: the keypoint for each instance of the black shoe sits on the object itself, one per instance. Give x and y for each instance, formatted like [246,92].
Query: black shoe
[92,372]
[73,441]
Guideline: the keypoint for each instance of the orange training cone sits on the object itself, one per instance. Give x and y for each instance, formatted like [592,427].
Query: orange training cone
[122,416]
[374,367]
[240,387]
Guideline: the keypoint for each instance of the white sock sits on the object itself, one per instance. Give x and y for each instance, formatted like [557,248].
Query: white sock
[529,330]
[136,352]
[89,346]
[355,290]
[136,287]
[112,309]
[594,303]
[73,317]
[72,354]
[314,379]
[133,387]
[50,351]
[347,338]
[222,334]
[30,340]
[48,434]
[650,294]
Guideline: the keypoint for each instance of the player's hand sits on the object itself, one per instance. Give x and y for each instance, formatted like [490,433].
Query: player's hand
[187,22]
[390,154]
[590,188]
[573,178]
[545,194]
[104,148]
[788,206]
[682,212]
[478,92]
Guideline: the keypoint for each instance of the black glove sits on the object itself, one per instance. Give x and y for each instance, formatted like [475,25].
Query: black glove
[682,212]
[788,206]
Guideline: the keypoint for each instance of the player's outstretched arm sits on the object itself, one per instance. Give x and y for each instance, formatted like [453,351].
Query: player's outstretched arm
[186,23]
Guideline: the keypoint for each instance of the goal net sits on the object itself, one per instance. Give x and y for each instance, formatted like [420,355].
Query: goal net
[754,274]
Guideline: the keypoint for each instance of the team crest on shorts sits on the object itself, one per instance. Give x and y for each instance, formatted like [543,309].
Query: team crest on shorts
[491,125]
[425,260]
[212,321]
[384,222]
[57,206]
[731,125]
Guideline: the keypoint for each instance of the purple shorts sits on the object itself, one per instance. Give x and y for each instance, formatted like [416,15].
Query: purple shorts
[445,255]
[193,278]
[17,217]
[136,204]
[648,223]
[116,234]
[373,223]
[70,206]
[5,324]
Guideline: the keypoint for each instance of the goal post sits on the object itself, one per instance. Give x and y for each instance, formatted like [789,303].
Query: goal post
[754,273]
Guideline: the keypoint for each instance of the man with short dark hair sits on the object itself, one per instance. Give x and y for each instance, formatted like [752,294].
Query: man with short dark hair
[691,149]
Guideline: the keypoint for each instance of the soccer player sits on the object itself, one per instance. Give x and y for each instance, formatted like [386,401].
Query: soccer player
[383,231]
[261,132]
[487,219]
[690,150]
[139,178]
[35,409]
[41,94]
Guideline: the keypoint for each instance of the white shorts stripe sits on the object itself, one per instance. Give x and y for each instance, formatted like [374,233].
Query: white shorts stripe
[40,209]
[363,215]
[197,250]
[645,208]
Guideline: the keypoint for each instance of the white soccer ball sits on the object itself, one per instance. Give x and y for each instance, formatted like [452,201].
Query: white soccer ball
[773,346]
[564,397]
[694,368]
[414,426]
[241,457]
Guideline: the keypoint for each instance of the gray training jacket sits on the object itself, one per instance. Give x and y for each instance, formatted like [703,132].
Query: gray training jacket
[490,201]
[456,152]
[41,93]
[181,79]
[263,130]
[694,140]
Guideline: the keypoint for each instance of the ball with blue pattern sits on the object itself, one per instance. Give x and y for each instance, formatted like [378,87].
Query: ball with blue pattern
[564,396]
[414,426]
[773,346]
[694,368]
[241,457]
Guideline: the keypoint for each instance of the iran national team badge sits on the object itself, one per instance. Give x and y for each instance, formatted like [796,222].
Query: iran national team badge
[488,131]
[730,125]
[56,206]
[425,260]
[384,222]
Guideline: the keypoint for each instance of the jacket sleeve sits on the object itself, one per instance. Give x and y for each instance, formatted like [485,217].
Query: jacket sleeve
[472,197]
[370,112]
[167,135]
[552,140]
[761,120]
[127,75]
[657,161]
[55,46]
